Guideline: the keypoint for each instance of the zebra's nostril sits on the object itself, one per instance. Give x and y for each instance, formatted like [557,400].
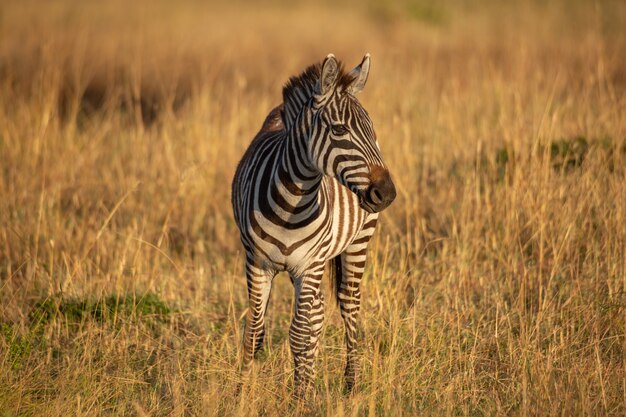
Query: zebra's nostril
[376,197]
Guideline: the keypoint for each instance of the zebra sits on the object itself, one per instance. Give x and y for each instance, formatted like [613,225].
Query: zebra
[308,190]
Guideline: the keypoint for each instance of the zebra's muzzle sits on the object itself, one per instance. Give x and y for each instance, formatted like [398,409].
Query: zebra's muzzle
[381,192]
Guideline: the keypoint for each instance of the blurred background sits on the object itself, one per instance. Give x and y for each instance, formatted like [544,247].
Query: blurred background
[157,56]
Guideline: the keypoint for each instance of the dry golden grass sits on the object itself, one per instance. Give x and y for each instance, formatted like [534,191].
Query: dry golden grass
[496,282]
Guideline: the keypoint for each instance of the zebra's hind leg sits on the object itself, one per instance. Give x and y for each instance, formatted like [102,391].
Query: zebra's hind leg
[259,287]
[349,268]
[306,328]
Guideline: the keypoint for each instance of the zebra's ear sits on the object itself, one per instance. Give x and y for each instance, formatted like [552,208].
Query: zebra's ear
[359,74]
[328,77]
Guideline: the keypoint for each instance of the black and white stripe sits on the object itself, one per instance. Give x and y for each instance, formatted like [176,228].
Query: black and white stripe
[308,190]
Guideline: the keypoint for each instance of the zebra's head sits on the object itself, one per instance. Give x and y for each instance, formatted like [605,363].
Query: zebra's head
[342,139]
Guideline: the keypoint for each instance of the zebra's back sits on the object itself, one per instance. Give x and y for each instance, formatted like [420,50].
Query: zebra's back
[271,131]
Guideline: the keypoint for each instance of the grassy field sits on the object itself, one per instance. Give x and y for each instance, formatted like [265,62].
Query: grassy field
[497,280]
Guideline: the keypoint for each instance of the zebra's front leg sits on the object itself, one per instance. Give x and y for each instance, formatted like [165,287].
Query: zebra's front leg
[259,286]
[349,271]
[306,328]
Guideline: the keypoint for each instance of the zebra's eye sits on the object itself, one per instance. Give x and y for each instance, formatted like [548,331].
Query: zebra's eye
[339,130]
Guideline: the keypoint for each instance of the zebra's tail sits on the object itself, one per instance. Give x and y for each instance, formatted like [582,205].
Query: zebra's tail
[335,274]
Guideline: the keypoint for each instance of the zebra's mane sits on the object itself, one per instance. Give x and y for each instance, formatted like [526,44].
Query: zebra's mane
[299,89]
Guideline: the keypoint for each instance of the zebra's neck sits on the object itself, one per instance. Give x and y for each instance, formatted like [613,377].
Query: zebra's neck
[297,180]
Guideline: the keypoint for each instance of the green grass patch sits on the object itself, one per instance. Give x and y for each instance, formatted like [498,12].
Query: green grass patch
[567,154]
[18,347]
[136,306]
